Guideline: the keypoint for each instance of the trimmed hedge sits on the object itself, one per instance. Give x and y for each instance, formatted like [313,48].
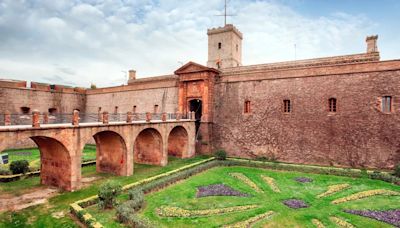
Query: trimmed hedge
[384,176]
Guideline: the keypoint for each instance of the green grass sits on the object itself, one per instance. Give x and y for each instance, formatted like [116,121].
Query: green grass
[183,195]
[41,215]
[89,152]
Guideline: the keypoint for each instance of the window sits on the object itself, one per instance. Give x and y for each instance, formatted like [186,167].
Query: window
[155,108]
[237,47]
[116,110]
[99,110]
[25,110]
[332,104]
[247,107]
[286,106]
[219,45]
[387,104]
[52,111]
[134,109]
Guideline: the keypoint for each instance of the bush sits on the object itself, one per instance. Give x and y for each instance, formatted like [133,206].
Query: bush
[136,198]
[220,154]
[397,170]
[4,171]
[20,166]
[126,214]
[108,193]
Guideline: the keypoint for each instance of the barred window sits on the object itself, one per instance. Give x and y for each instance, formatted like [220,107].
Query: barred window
[247,107]
[332,104]
[287,106]
[387,104]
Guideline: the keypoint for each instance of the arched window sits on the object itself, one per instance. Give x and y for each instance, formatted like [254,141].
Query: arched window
[332,104]
[247,107]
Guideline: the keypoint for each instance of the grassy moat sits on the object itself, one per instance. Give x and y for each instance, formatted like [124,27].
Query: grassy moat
[264,193]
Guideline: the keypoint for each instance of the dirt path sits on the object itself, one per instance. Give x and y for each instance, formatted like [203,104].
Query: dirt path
[35,196]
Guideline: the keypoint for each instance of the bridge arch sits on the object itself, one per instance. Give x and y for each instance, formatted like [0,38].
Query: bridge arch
[111,152]
[178,142]
[148,147]
[56,166]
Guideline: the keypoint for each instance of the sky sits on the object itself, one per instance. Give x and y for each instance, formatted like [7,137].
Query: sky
[80,42]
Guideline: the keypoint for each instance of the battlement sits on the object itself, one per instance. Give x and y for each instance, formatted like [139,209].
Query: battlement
[19,84]
[226,28]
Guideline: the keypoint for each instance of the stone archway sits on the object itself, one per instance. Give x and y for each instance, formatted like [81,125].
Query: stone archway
[178,142]
[148,148]
[56,167]
[111,152]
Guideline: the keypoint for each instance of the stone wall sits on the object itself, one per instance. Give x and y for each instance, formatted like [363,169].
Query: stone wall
[144,94]
[357,135]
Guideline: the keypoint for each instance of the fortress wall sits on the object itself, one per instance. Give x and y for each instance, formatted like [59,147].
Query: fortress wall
[12,99]
[359,134]
[166,98]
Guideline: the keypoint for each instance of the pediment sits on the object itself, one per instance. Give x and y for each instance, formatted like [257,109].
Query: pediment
[192,67]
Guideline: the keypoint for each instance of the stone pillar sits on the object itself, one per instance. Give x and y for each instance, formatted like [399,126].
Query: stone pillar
[192,115]
[75,118]
[35,118]
[178,115]
[148,116]
[45,118]
[7,118]
[99,117]
[164,116]
[105,118]
[129,117]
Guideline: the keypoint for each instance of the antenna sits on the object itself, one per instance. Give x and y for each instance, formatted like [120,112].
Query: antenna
[225,13]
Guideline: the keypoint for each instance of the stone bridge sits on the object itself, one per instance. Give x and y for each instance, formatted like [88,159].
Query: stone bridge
[118,146]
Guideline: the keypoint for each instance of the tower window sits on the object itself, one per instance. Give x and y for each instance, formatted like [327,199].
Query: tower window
[287,106]
[219,45]
[155,108]
[247,107]
[332,104]
[387,104]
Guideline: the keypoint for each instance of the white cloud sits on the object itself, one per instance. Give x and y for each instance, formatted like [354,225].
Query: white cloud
[94,40]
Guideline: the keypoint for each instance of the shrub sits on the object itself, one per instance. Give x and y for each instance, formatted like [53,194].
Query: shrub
[108,193]
[397,170]
[136,198]
[126,214]
[4,171]
[20,166]
[220,154]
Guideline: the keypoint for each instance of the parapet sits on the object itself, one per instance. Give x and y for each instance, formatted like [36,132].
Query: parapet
[12,83]
[226,28]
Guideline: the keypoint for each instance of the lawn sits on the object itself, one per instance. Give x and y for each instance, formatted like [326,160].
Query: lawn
[55,213]
[183,196]
[32,155]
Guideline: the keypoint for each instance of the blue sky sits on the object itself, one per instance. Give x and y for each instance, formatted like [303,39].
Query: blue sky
[78,42]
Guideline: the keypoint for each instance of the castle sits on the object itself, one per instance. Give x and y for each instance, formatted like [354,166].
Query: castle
[338,111]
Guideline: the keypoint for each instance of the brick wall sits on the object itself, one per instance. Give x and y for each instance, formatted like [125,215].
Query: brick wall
[358,134]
